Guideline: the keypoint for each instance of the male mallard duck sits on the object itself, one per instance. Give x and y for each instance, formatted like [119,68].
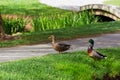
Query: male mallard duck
[60,47]
[93,53]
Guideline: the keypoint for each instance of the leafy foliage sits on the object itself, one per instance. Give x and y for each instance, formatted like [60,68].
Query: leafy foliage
[58,21]
[13,25]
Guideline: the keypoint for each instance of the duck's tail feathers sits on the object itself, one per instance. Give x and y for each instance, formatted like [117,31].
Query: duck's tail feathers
[102,56]
[105,57]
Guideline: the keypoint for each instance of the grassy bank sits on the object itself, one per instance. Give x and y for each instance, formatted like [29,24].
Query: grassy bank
[27,7]
[71,66]
[64,34]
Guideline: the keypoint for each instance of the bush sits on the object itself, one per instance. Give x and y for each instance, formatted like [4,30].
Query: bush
[13,25]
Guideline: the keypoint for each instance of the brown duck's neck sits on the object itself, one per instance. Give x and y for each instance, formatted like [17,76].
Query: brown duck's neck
[53,40]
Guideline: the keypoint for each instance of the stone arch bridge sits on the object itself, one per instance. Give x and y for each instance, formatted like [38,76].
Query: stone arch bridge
[110,11]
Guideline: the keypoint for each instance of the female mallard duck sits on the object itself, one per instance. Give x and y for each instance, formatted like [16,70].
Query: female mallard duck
[93,53]
[60,47]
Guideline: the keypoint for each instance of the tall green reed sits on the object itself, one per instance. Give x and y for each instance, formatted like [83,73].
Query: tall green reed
[52,22]
[13,25]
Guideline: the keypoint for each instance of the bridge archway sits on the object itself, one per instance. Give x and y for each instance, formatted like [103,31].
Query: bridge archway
[106,11]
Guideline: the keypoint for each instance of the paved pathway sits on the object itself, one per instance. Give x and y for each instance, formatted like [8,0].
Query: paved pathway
[20,52]
[70,4]
[58,3]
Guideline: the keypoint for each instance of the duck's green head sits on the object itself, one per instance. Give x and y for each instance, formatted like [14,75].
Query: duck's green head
[91,41]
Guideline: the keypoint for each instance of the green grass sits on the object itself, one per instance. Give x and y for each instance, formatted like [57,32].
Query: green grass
[70,66]
[27,7]
[64,34]
[113,2]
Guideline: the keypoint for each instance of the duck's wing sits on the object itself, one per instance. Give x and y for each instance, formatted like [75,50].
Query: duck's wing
[98,54]
[63,44]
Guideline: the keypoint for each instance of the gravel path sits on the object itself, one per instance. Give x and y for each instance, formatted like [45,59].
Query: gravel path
[70,4]
[21,52]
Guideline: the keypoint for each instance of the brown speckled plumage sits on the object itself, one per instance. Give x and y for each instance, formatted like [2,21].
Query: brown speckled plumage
[60,47]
